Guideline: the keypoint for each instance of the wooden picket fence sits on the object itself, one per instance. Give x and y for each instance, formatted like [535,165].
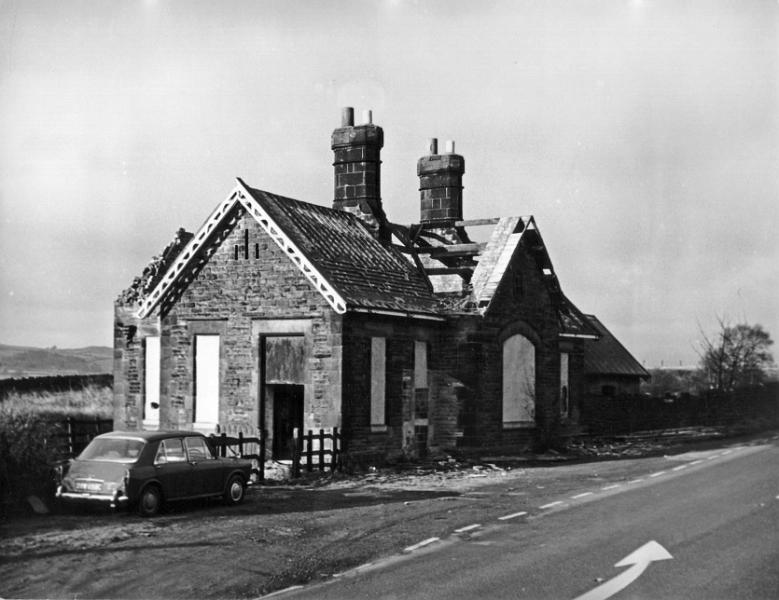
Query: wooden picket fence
[321,451]
[252,448]
[74,434]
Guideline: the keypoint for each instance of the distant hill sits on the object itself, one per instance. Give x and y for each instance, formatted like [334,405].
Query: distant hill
[24,361]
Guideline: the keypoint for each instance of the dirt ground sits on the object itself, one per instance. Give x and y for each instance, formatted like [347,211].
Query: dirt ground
[287,534]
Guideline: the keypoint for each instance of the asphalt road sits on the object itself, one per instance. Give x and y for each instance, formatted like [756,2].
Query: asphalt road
[716,515]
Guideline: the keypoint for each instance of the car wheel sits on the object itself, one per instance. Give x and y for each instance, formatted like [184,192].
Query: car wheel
[235,490]
[150,502]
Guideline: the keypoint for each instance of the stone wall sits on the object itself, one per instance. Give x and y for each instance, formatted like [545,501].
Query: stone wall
[247,288]
[376,444]
[522,305]
[129,335]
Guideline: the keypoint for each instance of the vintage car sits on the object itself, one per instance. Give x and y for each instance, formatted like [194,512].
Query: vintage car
[143,469]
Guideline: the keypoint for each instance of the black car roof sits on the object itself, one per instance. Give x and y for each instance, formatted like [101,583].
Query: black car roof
[149,436]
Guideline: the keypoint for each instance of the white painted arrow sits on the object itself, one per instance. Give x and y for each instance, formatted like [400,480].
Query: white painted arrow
[638,561]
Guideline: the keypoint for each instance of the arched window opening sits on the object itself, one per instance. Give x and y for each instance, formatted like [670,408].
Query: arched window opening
[519,381]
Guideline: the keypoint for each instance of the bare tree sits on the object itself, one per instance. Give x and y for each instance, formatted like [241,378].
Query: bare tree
[738,356]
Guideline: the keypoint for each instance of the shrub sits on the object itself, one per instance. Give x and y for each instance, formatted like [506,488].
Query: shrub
[26,456]
[31,430]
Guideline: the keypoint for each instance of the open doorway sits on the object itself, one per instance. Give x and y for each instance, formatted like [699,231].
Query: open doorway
[287,402]
[282,390]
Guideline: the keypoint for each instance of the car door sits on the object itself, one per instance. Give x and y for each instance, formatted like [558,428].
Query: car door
[206,470]
[172,469]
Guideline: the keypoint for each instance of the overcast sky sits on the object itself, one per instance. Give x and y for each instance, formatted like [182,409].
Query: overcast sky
[643,136]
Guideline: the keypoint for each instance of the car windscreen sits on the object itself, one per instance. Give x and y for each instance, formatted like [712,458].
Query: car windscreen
[113,449]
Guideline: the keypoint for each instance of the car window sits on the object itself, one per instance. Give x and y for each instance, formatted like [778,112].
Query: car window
[198,449]
[170,451]
[113,450]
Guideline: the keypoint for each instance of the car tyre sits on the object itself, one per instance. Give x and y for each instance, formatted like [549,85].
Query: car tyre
[150,501]
[235,490]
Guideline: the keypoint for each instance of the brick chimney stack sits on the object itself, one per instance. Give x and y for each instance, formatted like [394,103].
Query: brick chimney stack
[441,186]
[357,164]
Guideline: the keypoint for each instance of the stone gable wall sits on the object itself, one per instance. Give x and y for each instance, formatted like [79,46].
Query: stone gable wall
[521,304]
[237,298]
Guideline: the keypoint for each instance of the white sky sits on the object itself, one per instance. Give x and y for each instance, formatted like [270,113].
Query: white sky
[643,136]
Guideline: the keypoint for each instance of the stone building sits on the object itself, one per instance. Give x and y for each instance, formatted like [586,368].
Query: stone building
[609,369]
[279,314]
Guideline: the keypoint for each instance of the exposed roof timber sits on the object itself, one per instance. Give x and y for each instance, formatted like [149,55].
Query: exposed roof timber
[477,222]
[449,271]
[452,250]
[579,336]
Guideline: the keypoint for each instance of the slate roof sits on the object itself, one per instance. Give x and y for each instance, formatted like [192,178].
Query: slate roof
[365,273]
[607,356]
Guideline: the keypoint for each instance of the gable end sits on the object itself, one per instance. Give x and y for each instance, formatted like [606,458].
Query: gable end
[239,195]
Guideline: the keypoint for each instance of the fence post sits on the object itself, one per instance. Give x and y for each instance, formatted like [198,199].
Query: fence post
[263,437]
[296,442]
[321,450]
[69,433]
[308,439]
[334,454]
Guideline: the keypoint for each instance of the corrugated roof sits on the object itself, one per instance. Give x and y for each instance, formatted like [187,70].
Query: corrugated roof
[607,356]
[366,273]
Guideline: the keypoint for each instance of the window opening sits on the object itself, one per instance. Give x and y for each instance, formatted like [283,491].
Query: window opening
[206,400]
[519,381]
[151,369]
[378,382]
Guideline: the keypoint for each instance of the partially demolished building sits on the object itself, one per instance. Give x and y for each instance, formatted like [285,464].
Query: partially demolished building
[279,314]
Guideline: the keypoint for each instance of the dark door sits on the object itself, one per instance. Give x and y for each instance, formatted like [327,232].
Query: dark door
[287,415]
[172,469]
[206,470]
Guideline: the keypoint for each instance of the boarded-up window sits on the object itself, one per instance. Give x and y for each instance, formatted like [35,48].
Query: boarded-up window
[151,387]
[378,381]
[564,388]
[519,380]
[420,365]
[284,360]
[206,381]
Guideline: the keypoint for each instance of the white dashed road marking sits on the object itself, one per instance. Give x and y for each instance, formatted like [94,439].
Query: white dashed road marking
[679,468]
[468,528]
[657,474]
[582,495]
[512,516]
[422,544]
[635,481]
[696,462]
[726,452]
[610,487]
[551,504]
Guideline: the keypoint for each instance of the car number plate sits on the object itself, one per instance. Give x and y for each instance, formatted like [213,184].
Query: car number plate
[88,486]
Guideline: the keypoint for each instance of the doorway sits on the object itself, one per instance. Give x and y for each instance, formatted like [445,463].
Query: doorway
[287,401]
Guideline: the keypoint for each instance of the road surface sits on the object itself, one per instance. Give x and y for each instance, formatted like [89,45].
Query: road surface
[705,528]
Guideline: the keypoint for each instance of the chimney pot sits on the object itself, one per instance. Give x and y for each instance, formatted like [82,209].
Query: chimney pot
[433,146]
[347,116]
[450,146]
[367,117]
